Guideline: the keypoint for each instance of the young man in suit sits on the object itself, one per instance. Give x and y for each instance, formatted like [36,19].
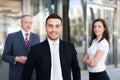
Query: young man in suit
[52,62]
[17,46]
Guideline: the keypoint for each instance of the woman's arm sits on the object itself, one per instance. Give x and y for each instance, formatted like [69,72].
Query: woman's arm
[97,57]
[87,61]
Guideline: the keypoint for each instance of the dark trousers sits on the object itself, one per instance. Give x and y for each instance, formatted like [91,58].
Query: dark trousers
[33,77]
[99,76]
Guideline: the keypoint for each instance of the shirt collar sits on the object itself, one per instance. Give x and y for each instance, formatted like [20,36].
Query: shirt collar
[23,32]
[51,42]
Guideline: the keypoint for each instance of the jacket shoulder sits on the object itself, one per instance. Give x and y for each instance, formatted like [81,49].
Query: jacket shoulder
[14,34]
[34,34]
[66,42]
[39,45]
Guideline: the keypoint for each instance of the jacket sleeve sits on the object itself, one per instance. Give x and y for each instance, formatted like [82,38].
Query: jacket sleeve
[37,39]
[75,66]
[7,52]
[29,66]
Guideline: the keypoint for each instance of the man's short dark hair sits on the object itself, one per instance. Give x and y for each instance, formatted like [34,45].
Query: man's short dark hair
[55,16]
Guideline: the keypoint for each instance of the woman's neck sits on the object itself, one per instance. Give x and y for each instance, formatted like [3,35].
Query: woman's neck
[98,37]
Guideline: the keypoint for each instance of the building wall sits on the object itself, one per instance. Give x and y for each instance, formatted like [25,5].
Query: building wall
[77,22]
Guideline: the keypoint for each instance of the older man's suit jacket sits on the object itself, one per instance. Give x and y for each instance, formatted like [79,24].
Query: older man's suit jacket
[40,59]
[15,46]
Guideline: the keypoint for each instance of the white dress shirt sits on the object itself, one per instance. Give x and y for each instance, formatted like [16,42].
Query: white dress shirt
[55,61]
[23,33]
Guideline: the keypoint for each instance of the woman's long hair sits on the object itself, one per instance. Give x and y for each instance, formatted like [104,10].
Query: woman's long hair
[105,33]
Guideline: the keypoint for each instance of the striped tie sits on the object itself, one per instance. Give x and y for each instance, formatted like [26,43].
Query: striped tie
[26,40]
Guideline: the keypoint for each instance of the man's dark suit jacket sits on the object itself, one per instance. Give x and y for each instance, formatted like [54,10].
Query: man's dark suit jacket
[15,46]
[40,59]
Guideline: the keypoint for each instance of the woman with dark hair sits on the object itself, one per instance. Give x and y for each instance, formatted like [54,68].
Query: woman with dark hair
[97,51]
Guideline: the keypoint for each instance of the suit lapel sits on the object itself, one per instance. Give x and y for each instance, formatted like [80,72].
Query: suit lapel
[21,39]
[47,50]
[62,54]
[47,55]
[31,39]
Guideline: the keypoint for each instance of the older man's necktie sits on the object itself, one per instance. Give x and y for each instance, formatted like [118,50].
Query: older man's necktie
[26,40]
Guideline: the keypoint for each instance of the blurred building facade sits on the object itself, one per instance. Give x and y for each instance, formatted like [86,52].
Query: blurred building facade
[77,15]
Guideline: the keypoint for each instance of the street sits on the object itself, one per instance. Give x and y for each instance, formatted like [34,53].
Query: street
[114,73]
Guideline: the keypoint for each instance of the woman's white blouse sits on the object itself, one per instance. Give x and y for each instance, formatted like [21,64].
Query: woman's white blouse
[103,46]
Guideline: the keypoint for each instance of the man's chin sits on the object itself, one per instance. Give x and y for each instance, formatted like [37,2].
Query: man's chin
[54,39]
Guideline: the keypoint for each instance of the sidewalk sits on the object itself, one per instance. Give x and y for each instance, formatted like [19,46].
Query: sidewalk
[114,74]
[3,70]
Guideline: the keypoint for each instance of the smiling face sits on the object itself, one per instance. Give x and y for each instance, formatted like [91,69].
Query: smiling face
[26,23]
[53,28]
[98,29]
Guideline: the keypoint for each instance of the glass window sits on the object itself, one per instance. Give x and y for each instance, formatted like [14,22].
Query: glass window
[109,2]
[107,14]
[119,38]
[77,28]
[40,10]
[9,19]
